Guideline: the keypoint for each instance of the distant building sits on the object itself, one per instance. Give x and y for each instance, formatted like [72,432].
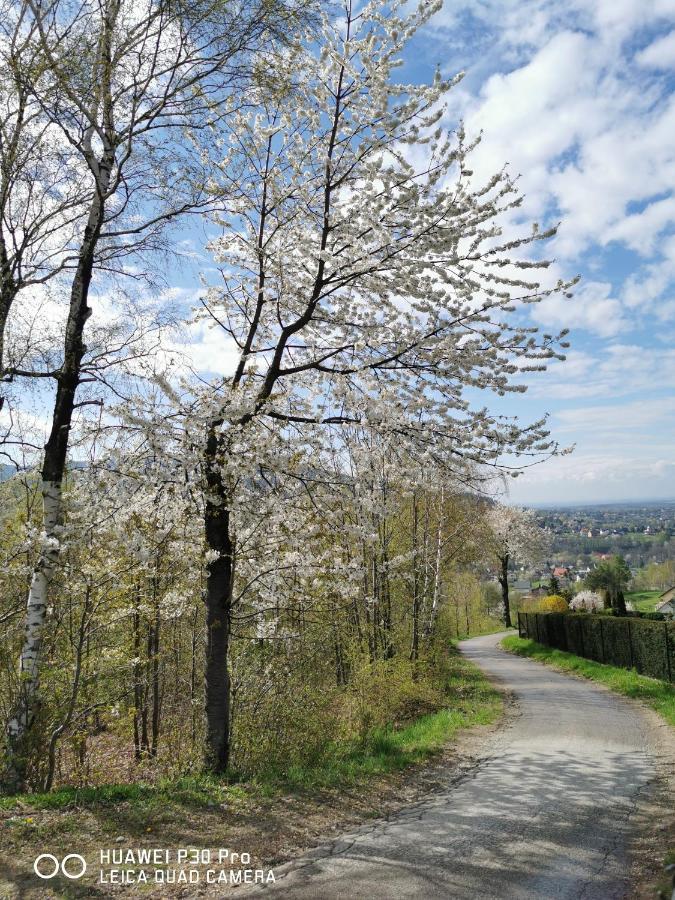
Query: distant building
[666,602]
[521,585]
[560,572]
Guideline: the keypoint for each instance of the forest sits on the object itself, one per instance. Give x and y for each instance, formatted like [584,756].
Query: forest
[235,568]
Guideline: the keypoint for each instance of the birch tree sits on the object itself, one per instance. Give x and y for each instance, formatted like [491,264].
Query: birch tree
[120,84]
[359,285]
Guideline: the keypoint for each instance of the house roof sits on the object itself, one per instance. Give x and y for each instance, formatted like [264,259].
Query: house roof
[666,594]
[661,606]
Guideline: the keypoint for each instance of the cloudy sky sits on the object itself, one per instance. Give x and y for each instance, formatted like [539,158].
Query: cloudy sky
[577,97]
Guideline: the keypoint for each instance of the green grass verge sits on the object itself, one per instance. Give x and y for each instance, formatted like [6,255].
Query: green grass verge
[665,885]
[643,601]
[657,694]
[472,700]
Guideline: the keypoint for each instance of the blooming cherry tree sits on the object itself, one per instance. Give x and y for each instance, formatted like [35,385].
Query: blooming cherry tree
[587,601]
[514,535]
[365,281]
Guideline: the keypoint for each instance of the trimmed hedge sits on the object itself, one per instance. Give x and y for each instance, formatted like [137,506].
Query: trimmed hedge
[650,649]
[628,642]
[618,645]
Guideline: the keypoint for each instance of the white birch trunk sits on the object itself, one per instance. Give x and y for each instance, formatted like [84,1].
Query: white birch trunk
[36,612]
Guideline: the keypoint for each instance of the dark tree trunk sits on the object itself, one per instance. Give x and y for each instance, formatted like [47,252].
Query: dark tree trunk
[387,623]
[219,584]
[138,685]
[156,693]
[193,676]
[504,582]
[8,292]
[5,305]
[154,662]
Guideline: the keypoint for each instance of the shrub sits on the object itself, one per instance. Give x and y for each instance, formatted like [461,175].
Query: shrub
[553,628]
[574,634]
[390,693]
[650,654]
[627,641]
[617,638]
[593,636]
[587,601]
[553,603]
[293,722]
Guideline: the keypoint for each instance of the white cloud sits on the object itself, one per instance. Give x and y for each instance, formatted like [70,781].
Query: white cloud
[207,348]
[630,160]
[613,459]
[606,419]
[589,130]
[592,308]
[660,54]
[612,371]
[596,477]
[646,286]
[640,231]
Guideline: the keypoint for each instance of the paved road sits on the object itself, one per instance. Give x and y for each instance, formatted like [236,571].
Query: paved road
[546,813]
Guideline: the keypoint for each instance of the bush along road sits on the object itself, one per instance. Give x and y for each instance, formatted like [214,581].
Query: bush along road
[550,811]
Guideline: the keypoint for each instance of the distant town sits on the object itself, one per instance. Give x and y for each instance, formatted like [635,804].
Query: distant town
[582,536]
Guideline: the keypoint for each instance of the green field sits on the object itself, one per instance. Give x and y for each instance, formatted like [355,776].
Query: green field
[643,601]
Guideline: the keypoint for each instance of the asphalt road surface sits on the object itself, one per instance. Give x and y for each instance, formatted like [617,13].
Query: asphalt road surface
[546,813]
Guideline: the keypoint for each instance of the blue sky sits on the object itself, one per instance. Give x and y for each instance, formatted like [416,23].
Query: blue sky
[578,98]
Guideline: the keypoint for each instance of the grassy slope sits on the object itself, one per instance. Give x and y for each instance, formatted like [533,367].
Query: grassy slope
[657,694]
[643,601]
[472,700]
[272,818]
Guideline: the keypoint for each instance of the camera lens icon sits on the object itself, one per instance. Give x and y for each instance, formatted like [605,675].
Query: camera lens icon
[72,865]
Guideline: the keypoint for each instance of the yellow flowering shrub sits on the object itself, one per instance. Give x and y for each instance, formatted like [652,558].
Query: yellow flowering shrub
[552,603]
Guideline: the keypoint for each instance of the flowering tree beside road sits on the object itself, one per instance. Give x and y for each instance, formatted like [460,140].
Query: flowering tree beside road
[365,281]
[116,84]
[514,536]
[370,288]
